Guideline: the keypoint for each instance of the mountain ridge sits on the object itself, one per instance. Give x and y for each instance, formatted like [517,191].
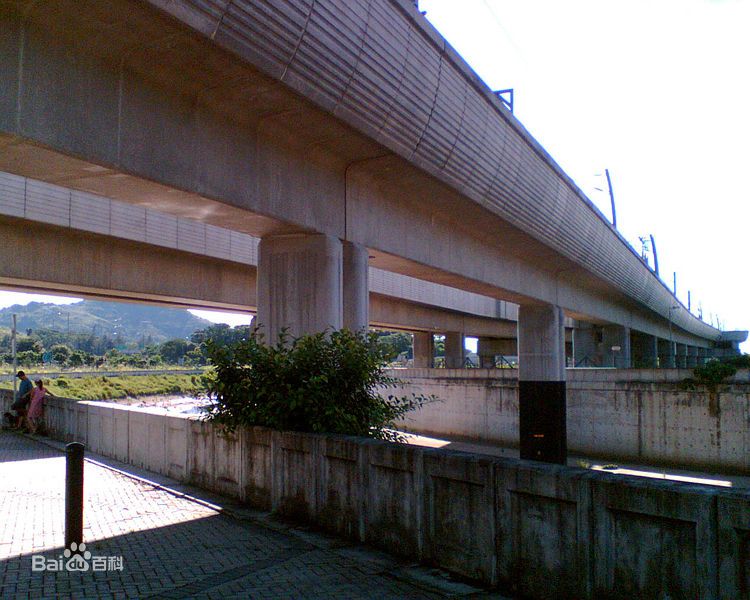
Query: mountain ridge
[124,322]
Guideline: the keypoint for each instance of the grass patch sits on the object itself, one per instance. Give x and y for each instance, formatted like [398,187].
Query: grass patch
[121,386]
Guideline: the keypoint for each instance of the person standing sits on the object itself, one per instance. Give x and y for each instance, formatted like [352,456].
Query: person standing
[36,406]
[21,403]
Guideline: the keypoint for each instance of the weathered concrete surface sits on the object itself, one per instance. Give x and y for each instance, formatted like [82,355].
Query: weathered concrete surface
[536,530]
[629,415]
[544,529]
[300,285]
[54,258]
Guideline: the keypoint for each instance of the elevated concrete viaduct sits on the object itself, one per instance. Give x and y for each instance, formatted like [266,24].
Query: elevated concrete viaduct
[341,134]
[56,238]
[37,257]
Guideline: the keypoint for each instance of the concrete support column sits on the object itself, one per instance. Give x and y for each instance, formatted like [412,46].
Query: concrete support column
[667,354]
[692,357]
[703,354]
[541,383]
[644,350]
[299,284]
[356,287]
[454,350]
[489,348]
[424,349]
[682,355]
[585,345]
[616,336]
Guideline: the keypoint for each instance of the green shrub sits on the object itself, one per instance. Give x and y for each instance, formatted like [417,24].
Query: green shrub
[713,372]
[741,362]
[710,375]
[323,383]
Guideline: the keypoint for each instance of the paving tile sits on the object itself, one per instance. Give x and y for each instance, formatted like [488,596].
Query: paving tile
[172,545]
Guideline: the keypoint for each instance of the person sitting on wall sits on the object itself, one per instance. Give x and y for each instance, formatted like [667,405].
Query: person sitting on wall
[22,400]
[36,407]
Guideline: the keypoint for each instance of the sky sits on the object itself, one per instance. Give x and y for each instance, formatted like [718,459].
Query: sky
[657,92]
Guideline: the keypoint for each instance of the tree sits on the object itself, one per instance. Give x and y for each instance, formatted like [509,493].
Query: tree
[315,383]
[78,358]
[174,350]
[61,353]
[29,344]
[395,343]
[29,357]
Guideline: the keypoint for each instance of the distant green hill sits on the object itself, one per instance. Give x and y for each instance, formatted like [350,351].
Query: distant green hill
[123,322]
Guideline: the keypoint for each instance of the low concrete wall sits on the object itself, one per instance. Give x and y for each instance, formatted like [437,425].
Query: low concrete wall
[628,415]
[535,530]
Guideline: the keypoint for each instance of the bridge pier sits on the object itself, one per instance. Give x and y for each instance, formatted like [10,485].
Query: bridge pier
[299,284]
[681,356]
[585,345]
[455,354]
[644,350]
[692,357]
[667,354]
[616,336]
[308,283]
[424,349]
[488,348]
[356,286]
[541,383]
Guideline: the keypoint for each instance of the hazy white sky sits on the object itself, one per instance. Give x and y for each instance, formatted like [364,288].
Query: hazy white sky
[658,92]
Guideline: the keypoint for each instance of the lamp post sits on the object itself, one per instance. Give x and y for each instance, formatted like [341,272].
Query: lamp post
[15,357]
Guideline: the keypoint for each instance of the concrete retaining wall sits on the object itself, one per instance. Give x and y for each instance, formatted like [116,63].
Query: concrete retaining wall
[536,530]
[625,415]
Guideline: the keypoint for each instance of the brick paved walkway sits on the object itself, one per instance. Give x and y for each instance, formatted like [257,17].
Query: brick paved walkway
[173,546]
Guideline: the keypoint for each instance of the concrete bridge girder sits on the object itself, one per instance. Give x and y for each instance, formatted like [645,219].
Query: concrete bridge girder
[40,257]
[243,159]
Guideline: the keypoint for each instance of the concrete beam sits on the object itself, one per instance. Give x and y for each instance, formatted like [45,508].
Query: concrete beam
[43,258]
[35,256]
[391,313]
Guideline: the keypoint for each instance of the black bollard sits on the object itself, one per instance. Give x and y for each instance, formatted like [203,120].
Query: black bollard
[73,494]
